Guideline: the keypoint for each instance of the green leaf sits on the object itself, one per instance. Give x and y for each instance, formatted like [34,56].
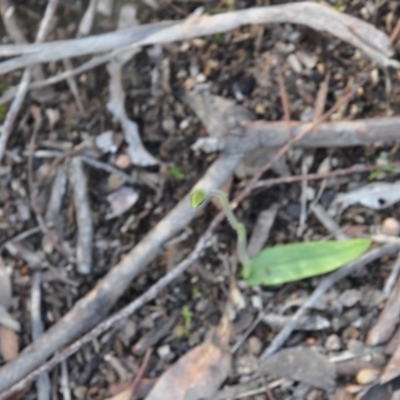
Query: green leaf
[176,172]
[197,197]
[296,261]
[389,170]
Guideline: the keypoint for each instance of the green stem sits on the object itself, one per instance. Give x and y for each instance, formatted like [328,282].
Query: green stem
[235,224]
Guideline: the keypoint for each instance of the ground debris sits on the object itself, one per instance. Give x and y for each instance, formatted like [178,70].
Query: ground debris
[302,365]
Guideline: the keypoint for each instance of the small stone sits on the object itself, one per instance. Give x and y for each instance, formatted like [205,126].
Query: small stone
[185,46]
[246,365]
[367,376]
[294,63]
[355,346]
[164,352]
[114,182]
[256,302]
[237,298]
[201,78]
[184,124]
[255,345]
[350,333]
[202,305]
[260,109]
[351,315]
[169,126]
[80,392]
[390,227]
[308,59]
[105,142]
[333,343]
[123,161]
[350,297]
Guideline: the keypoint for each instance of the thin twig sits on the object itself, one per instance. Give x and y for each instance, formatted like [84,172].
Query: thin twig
[374,43]
[328,222]
[325,284]
[26,78]
[266,183]
[73,87]
[282,89]
[94,62]
[32,188]
[83,213]
[65,387]
[142,370]
[391,280]
[43,381]
[116,105]
[395,32]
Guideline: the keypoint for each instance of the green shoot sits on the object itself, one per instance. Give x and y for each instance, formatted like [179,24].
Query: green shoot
[198,197]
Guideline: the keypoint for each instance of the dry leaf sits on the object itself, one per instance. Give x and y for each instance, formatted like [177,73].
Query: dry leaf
[378,195]
[392,369]
[122,200]
[387,322]
[302,365]
[9,343]
[200,372]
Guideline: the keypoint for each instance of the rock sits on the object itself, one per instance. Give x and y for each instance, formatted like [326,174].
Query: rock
[256,302]
[390,227]
[350,297]
[367,376]
[123,161]
[164,352]
[333,343]
[355,346]
[246,365]
[255,345]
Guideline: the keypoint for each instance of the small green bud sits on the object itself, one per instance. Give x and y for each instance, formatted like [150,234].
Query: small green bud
[197,197]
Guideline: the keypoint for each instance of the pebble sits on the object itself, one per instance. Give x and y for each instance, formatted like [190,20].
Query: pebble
[114,182]
[123,161]
[355,346]
[367,376]
[333,343]
[246,365]
[256,302]
[294,63]
[164,352]
[80,392]
[350,333]
[391,227]
[184,124]
[255,345]
[350,297]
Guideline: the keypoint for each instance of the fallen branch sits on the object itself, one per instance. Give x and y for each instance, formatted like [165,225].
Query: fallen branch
[259,134]
[374,43]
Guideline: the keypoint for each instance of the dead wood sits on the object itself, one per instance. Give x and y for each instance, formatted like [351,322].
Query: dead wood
[330,134]
[374,43]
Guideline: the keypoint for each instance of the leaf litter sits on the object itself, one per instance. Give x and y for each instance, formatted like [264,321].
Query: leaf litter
[202,295]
